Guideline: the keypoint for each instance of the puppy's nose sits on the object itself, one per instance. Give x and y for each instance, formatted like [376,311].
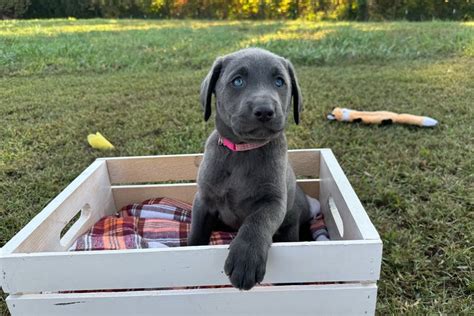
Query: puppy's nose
[264,113]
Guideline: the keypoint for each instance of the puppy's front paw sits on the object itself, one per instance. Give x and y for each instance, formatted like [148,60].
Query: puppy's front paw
[245,265]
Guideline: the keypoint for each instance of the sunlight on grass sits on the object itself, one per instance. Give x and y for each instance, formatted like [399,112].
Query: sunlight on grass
[307,25]
[38,29]
[205,24]
[286,36]
[300,25]
[101,45]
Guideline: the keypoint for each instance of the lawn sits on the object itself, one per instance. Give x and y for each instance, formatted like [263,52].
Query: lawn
[137,82]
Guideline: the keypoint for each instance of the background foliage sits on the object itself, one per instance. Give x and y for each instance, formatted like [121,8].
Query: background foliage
[243,9]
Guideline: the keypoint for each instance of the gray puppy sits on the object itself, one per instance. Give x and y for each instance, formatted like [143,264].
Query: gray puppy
[252,191]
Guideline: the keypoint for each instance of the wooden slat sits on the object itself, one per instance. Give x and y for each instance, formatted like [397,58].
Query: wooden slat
[128,194]
[330,299]
[310,186]
[329,261]
[91,189]
[334,183]
[305,162]
[127,170]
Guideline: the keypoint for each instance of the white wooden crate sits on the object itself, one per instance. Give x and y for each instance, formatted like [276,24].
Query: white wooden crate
[340,275]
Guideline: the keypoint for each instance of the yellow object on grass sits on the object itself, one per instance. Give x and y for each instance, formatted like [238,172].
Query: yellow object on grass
[98,141]
[379,117]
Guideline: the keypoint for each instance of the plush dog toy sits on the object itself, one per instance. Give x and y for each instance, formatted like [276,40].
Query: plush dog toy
[379,117]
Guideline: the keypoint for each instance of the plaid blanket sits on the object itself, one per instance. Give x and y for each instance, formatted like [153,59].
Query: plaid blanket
[155,223]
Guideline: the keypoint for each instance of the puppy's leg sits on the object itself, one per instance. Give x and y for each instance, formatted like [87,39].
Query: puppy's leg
[201,223]
[299,215]
[246,263]
[288,233]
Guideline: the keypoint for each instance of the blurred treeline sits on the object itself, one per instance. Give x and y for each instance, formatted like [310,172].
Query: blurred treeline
[362,10]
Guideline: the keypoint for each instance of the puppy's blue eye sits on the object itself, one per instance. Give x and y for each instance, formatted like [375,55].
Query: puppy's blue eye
[238,82]
[279,82]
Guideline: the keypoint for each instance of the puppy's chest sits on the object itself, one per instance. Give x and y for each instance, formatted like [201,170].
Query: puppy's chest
[232,201]
[230,184]
[231,187]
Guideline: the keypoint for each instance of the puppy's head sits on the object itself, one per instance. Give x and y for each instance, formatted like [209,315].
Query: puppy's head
[254,89]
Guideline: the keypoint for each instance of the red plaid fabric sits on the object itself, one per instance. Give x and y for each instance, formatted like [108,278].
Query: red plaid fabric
[155,223]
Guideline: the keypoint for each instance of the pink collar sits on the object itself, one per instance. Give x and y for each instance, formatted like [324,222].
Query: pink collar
[239,147]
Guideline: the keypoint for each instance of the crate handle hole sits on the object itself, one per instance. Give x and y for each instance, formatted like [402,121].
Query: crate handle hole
[336,216]
[74,224]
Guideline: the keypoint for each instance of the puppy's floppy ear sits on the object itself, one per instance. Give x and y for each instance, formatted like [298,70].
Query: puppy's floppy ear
[208,87]
[295,93]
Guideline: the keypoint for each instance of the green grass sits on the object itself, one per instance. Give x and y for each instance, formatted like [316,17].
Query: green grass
[62,46]
[137,82]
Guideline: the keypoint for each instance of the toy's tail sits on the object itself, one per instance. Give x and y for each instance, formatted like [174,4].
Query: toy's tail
[428,121]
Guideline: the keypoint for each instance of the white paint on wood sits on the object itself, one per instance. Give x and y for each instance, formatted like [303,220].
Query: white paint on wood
[33,262]
[128,194]
[336,216]
[334,183]
[127,170]
[42,233]
[329,299]
[187,266]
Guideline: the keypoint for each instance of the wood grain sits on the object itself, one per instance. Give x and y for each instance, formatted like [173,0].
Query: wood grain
[329,299]
[329,261]
[147,169]
[128,194]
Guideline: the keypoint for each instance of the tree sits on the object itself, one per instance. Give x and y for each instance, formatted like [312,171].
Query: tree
[13,8]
